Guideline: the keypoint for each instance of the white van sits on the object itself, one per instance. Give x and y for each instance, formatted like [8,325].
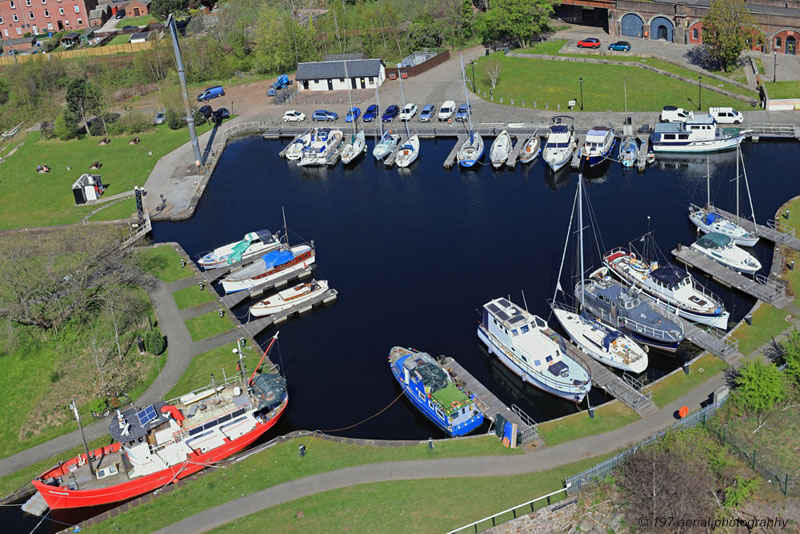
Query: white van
[726,115]
[673,114]
[447,110]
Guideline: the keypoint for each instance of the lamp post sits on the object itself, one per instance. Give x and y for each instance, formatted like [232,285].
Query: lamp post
[774,64]
[474,87]
[580,80]
[699,93]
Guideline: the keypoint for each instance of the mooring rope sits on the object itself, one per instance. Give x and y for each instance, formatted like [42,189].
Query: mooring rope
[364,420]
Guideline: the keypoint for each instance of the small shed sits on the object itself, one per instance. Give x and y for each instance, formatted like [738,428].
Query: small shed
[140,37]
[18,45]
[71,39]
[86,35]
[137,8]
[87,188]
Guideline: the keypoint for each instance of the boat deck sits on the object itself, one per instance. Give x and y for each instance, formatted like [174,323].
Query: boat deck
[772,233]
[253,328]
[451,158]
[282,153]
[237,298]
[490,405]
[389,160]
[333,158]
[576,155]
[762,288]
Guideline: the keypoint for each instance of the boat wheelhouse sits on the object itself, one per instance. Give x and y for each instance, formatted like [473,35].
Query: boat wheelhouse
[599,144]
[270,266]
[525,344]
[432,391]
[251,245]
[722,250]
[559,146]
[700,134]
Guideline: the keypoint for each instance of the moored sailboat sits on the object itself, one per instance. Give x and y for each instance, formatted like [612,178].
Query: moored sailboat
[531,149]
[501,148]
[408,153]
[386,145]
[471,150]
[355,147]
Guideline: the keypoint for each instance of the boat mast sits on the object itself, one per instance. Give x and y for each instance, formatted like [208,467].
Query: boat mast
[349,98]
[737,184]
[83,436]
[285,228]
[708,183]
[580,233]
[747,188]
[466,95]
[402,95]
[564,252]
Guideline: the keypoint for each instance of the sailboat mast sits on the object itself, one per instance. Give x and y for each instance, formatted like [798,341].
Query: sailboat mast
[708,183]
[378,101]
[580,233]
[737,184]
[747,188]
[285,228]
[466,93]
[402,95]
[349,97]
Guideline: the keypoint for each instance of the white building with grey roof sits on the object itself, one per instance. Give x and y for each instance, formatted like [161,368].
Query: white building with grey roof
[330,75]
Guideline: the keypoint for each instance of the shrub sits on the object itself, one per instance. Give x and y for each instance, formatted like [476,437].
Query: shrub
[56,375]
[199,118]
[174,119]
[96,127]
[134,123]
[64,127]
[154,342]
[48,130]
[97,405]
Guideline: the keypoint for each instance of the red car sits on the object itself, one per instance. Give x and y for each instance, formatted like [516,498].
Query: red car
[591,42]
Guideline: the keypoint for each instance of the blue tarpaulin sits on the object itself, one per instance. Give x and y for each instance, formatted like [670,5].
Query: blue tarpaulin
[711,217]
[277,257]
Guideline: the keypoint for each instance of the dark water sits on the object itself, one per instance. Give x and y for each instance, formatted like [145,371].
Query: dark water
[415,254]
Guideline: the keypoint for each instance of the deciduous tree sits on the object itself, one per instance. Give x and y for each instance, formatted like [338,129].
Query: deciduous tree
[160,9]
[791,355]
[727,31]
[518,20]
[83,100]
[492,68]
[274,52]
[760,387]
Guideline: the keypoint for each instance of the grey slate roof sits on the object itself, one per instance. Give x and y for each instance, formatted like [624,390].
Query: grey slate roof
[21,40]
[140,35]
[323,70]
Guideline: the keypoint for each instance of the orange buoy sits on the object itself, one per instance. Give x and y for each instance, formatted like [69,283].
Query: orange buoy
[683,412]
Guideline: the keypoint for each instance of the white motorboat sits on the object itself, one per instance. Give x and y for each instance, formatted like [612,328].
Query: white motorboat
[531,149]
[559,146]
[501,148]
[295,150]
[722,250]
[251,245]
[269,267]
[700,134]
[629,152]
[408,153]
[288,298]
[322,145]
[525,344]
[356,146]
[598,145]
[471,150]
[386,145]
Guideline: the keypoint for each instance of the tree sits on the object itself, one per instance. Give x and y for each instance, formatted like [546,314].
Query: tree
[492,69]
[273,54]
[517,20]
[160,9]
[760,387]
[791,355]
[65,126]
[727,31]
[83,99]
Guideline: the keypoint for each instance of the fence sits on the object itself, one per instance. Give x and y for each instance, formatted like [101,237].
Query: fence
[109,50]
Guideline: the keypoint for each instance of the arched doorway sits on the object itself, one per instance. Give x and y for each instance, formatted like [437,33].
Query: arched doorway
[632,25]
[791,45]
[661,28]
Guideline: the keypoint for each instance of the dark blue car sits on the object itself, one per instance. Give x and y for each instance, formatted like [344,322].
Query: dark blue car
[371,114]
[620,46]
[324,115]
[427,113]
[391,112]
[352,115]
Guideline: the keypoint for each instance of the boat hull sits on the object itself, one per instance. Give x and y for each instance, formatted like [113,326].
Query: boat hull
[714,145]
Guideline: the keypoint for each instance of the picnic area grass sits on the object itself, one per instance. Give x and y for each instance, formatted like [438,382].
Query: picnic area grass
[120,210]
[555,83]
[198,374]
[678,384]
[607,417]
[32,199]
[768,322]
[192,296]
[162,262]
[281,463]
[120,39]
[783,89]
[143,20]
[209,325]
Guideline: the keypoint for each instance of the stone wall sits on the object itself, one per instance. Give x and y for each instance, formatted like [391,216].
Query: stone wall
[554,518]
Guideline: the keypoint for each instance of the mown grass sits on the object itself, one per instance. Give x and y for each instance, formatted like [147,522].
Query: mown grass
[199,372]
[120,39]
[768,322]
[783,89]
[121,210]
[606,418]
[143,20]
[678,384]
[556,82]
[163,263]
[208,325]
[281,463]
[192,296]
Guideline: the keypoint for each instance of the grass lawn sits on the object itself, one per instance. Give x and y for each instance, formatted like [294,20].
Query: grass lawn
[192,296]
[31,199]
[120,39]
[607,417]
[555,82]
[768,322]
[673,387]
[209,325]
[783,89]
[282,463]
[162,262]
[203,365]
[144,20]
[121,210]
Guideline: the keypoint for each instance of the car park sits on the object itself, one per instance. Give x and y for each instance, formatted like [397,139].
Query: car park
[675,114]
[371,114]
[446,110]
[408,112]
[463,113]
[212,92]
[294,116]
[390,113]
[352,115]
[324,115]
[220,114]
[726,115]
[427,113]
[590,42]
[620,46]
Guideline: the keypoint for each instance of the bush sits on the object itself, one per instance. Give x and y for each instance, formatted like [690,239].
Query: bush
[96,128]
[174,119]
[56,375]
[134,123]
[97,405]
[199,118]
[48,130]
[64,127]
[154,342]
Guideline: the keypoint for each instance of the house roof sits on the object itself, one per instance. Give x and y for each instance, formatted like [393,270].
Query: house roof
[340,57]
[323,70]
[140,35]
[21,40]
[70,36]
[97,13]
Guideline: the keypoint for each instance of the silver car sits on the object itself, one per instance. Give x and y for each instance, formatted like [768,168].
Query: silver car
[161,118]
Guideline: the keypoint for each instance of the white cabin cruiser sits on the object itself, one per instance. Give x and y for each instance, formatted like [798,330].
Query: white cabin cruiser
[598,146]
[722,250]
[251,245]
[295,150]
[559,146]
[324,142]
[288,298]
[700,134]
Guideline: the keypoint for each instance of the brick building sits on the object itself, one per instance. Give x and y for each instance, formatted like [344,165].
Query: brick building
[35,17]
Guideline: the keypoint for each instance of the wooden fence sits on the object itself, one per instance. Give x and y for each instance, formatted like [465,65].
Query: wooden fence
[109,50]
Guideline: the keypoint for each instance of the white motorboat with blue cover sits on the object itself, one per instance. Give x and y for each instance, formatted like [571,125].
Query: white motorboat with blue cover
[524,343]
[250,246]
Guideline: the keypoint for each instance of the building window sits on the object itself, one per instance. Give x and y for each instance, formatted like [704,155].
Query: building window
[695,33]
[1,20]
[28,3]
[49,25]
[11,4]
[46,12]
[371,79]
[30,14]
[35,29]
[5,32]
[19,31]
[341,79]
[66,22]
[77,8]
[778,42]
[80,22]
[60,10]
[16,19]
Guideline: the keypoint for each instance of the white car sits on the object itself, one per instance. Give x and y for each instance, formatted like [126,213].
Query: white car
[294,116]
[408,112]
[446,110]
[675,114]
[726,115]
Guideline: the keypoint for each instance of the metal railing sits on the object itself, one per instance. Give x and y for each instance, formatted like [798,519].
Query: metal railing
[532,432]
[772,130]
[783,228]
[138,232]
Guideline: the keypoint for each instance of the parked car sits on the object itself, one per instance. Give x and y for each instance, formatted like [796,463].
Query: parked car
[324,115]
[352,115]
[129,27]
[390,113]
[206,111]
[620,46]
[212,92]
[408,112]
[726,115]
[463,113]
[427,113]
[591,42]
[120,14]
[220,114]
[160,118]
[675,114]
[294,116]
[371,114]
[447,110]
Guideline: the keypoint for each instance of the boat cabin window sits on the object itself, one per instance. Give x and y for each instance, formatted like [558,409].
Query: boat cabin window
[439,413]
[540,322]
[421,396]
[683,136]
[524,329]
[537,363]
[549,359]
[515,332]
[463,411]
[668,137]
[524,359]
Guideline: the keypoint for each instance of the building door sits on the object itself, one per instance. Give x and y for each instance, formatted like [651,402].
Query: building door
[353,83]
[632,25]
[661,28]
[363,83]
[135,11]
[330,85]
[791,45]
[662,32]
[60,26]
[305,84]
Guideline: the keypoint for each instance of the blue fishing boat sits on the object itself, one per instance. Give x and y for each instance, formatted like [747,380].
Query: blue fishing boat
[431,390]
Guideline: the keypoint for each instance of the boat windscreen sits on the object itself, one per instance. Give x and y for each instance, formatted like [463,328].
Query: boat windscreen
[433,376]
[714,240]
[558,368]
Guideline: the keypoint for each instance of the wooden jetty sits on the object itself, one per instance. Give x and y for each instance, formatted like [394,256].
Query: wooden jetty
[772,131]
[519,141]
[282,153]
[490,405]
[234,299]
[773,232]
[576,156]
[451,158]
[255,327]
[334,156]
[389,160]
[761,288]
[718,344]
[644,147]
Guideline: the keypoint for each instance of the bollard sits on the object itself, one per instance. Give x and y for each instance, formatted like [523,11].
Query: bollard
[301,450]
[202,285]
[183,263]
[686,368]
[786,214]
[430,444]
[140,344]
[221,313]
[791,265]
[591,413]
[534,103]
[749,319]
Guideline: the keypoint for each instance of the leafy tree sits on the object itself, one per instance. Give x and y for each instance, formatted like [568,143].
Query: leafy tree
[160,9]
[760,387]
[791,355]
[492,68]
[272,55]
[174,119]
[727,30]
[65,126]
[517,20]
[3,92]
[83,99]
